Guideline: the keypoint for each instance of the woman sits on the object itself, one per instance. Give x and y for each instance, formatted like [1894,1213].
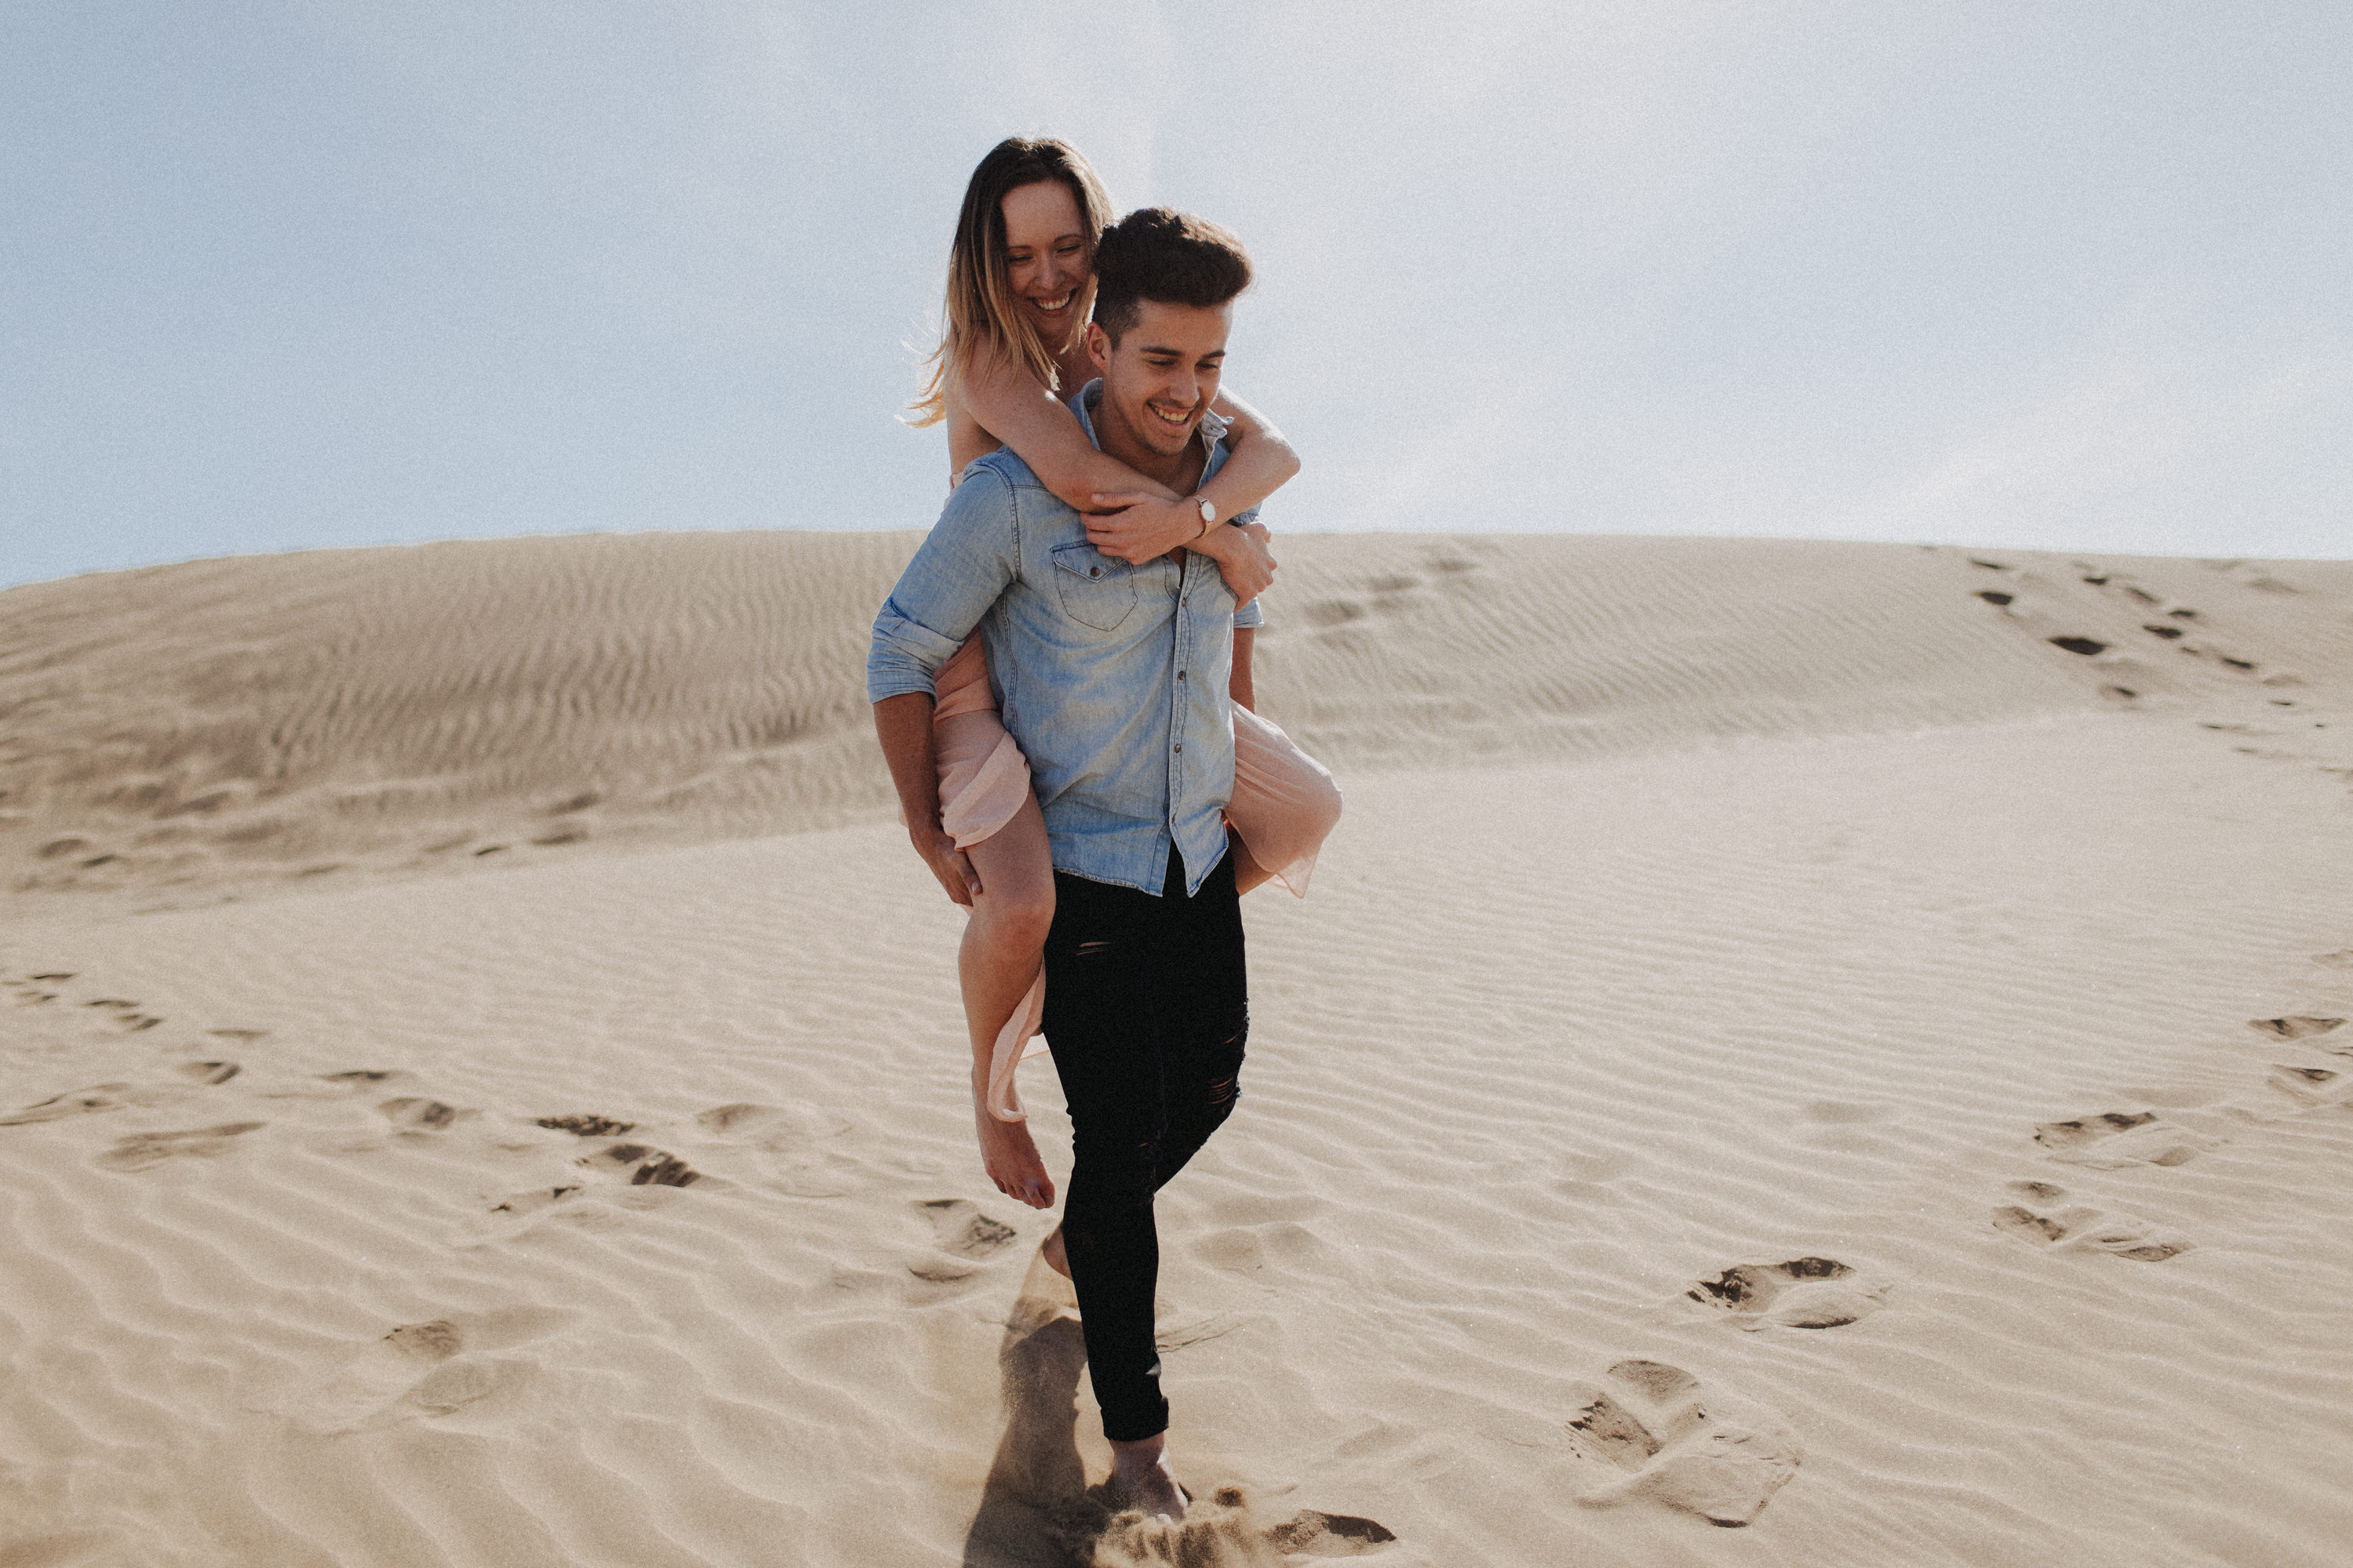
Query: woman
[1020,281]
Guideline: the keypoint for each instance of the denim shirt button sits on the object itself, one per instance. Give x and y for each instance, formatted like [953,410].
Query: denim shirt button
[1180,746]
[1095,571]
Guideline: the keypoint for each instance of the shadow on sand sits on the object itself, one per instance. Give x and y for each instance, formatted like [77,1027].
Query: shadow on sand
[1038,1511]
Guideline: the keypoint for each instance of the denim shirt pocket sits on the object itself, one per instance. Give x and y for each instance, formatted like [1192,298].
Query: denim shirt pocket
[1096,590]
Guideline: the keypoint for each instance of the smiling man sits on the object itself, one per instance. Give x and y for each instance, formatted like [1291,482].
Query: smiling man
[1115,680]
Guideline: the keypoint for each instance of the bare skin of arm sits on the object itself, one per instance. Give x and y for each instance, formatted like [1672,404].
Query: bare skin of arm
[903,724]
[1258,462]
[1147,519]
[1244,694]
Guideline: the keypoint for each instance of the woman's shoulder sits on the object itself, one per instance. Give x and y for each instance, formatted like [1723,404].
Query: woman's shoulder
[968,439]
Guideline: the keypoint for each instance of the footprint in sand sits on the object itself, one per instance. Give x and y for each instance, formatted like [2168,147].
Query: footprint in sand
[647,1167]
[420,1370]
[590,1204]
[2312,1085]
[584,1126]
[742,1113]
[1310,1533]
[808,1170]
[964,1233]
[28,993]
[2133,679]
[415,1114]
[1802,1293]
[371,1380]
[98,1097]
[1642,1430]
[339,1084]
[959,1226]
[144,1151]
[1222,1531]
[770,1128]
[127,1016]
[2082,1230]
[103,1097]
[1176,1331]
[2116,1139]
[2087,647]
[358,1081]
[2296,1028]
[538,1198]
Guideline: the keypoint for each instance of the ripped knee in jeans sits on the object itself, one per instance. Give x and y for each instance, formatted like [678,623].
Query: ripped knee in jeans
[1228,1053]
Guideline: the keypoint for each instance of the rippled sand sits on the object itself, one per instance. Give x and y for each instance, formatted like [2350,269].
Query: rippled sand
[1837,1041]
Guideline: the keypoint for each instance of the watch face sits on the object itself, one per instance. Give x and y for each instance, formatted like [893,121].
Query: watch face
[1208,511]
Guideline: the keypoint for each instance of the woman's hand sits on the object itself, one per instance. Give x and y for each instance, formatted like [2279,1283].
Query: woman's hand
[1137,527]
[1242,558]
[948,863]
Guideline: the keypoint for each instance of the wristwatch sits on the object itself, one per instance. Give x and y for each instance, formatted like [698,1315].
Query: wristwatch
[1209,515]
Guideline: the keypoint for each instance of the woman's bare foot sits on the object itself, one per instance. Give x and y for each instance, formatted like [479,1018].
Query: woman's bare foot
[1010,1154]
[1140,1474]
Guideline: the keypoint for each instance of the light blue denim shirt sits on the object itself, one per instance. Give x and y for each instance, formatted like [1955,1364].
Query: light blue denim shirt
[1112,677]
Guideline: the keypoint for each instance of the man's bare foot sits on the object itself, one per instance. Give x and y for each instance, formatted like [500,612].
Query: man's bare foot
[1056,1258]
[1140,1474]
[1010,1154]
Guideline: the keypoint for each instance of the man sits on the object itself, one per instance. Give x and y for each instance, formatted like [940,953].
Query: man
[1115,680]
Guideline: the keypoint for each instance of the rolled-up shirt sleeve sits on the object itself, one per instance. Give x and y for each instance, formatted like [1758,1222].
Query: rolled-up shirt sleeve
[964,563]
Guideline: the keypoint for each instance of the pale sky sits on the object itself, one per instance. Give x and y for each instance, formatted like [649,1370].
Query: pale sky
[329,272]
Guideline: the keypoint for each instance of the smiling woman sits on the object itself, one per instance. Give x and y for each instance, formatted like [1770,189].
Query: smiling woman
[1045,254]
[1032,213]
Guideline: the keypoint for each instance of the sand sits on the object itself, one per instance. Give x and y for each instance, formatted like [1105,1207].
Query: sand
[1784,1064]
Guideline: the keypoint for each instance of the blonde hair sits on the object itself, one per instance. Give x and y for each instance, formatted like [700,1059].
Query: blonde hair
[981,311]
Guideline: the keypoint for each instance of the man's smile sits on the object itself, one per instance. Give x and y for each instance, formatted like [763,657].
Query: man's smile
[1176,418]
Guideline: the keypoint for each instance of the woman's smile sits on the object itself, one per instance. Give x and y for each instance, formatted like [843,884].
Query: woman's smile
[1046,254]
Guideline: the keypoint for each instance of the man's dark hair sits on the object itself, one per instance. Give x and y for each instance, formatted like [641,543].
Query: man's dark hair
[1171,257]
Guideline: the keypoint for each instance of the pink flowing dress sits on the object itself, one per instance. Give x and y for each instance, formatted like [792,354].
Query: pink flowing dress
[1285,805]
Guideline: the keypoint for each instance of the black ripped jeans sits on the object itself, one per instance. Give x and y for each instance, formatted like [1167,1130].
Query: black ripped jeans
[1147,1008]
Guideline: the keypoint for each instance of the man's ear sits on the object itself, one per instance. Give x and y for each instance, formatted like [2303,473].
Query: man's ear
[1099,346]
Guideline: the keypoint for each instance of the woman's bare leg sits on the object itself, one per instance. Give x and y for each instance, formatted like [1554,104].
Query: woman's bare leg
[1004,943]
[1248,872]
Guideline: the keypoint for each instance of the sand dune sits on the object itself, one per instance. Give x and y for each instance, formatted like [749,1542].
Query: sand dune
[1778,1041]
[341,714]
